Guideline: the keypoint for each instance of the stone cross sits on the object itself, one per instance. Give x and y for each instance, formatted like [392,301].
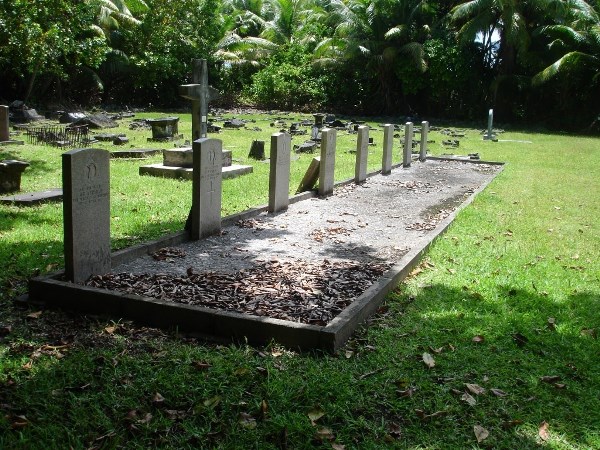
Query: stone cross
[408,137]
[327,165]
[4,129]
[200,93]
[388,146]
[206,186]
[362,152]
[490,134]
[423,149]
[86,213]
[279,172]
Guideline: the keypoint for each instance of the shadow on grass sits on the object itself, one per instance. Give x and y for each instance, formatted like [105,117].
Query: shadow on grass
[540,351]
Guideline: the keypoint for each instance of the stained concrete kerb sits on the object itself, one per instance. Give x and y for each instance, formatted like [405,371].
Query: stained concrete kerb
[223,325]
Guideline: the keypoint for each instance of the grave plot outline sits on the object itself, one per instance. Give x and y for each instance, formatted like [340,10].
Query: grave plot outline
[224,325]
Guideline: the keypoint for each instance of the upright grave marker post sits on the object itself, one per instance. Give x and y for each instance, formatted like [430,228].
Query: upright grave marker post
[408,137]
[4,127]
[490,134]
[362,152]
[206,185]
[327,165]
[388,146]
[279,172]
[200,93]
[423,149]
[86,213]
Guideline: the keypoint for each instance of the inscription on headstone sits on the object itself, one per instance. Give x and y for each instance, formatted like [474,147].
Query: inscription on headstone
[408,137]
[388,146]
[86,213]
[279,172]
[206,195]
[423,148]
[4,127]
[327,165]
[362,152]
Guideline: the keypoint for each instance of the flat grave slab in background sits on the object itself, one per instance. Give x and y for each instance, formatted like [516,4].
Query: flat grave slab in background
[388,219]
[33,198]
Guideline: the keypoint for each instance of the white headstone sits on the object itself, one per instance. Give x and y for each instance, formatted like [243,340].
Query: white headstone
[489,135]
[327,166]
[86,213]
[362,153]
[388,146]
[423,149]
[206,185]
[279,172]
[408,137]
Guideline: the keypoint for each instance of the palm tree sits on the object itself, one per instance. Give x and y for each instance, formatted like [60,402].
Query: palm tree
[382,37]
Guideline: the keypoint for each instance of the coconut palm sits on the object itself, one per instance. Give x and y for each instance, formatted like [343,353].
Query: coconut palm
[383,37]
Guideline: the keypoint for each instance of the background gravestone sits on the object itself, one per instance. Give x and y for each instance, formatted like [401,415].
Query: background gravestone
[4,127]
[279,172]
[388,146]
[86,213]
[362,152]
[206,185]
[423,148]
[327,165]
[408,137]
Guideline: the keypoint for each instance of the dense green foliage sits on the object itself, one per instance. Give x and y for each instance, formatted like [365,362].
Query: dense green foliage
[535,61]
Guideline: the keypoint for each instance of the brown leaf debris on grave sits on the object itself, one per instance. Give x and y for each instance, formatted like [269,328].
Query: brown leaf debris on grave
[298,291]
[430,223]
[320,234]
[481,434]
[167,253]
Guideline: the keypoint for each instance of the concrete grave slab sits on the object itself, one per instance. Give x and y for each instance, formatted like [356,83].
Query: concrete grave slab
[394,222]
[33,198]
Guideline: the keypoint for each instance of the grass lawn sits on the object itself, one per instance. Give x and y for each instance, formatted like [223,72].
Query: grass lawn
[491,343]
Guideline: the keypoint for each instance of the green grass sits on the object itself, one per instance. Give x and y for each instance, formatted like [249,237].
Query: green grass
[522,261]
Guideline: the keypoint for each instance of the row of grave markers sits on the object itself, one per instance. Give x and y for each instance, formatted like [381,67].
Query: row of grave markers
[86,188]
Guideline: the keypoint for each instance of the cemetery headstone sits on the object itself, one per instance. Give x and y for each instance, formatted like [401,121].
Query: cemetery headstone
[200,93]
[206,185]
[327,165]
[4,127]
[86,213]
[489,135]
[388,146]
[164,129]
[362,152]
[311,176]
[279,172]
[10,175]
[257,150]
[408,136]
[423,148]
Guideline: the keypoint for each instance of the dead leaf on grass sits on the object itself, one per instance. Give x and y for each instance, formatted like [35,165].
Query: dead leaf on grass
[428,360]
[201,365]
[498,392]
[18,422]
[315,414]
[158,399]
[425,417]
[511,423]
[468,398]
[212,402]
[247,421]
[34,315]
[543,431]
[324,434]
[478,339]
[481,434]
[406,392]
[475,388]
[550,378]
[335,446]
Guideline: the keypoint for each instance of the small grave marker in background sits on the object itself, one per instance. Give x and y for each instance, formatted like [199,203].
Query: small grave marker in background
[489,135]
[327,165]
[207,181]
[86,213]
[257,150]
[408,137]
[279,172]
[423,148]
[4,127]
[362,152]
[388,147]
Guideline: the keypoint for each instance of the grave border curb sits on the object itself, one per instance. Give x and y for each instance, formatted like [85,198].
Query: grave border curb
[231,326]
